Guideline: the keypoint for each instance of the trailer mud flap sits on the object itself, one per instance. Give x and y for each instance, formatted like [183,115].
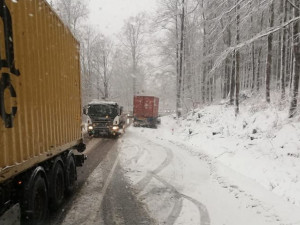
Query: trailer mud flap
[79,159]
[80,147]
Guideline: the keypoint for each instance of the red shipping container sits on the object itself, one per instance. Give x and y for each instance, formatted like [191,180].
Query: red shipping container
[145,106]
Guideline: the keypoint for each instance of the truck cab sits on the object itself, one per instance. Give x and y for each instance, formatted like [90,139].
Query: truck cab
[105,118]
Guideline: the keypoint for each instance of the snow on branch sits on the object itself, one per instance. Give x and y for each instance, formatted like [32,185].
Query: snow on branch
[263,34]
[293,5]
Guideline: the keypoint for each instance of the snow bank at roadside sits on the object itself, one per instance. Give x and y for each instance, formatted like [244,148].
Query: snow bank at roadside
[261,143]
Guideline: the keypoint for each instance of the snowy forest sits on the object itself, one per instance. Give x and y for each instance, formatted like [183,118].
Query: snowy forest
[192,53]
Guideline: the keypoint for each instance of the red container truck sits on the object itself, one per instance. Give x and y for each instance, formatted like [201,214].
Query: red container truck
[145,111]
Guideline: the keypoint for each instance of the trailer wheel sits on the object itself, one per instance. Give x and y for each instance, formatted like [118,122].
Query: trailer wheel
[70,174]
[57,185]
[35,202]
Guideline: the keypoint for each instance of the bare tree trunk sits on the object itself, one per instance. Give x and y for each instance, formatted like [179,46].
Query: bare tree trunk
[296,46]
[258,69]
[227,42]
[292,67]
[178,85]
[253,66]
[223,84]
[228,74]
[179,103]
[292,57]
[288,55]
[203,87]
[283,52]
[290,62]
[134,66]
[213,88]
[237,62]
[269,54]
[227,62]
[203,83]
[226,87]
[278,59]
[105,82]
[208,90]
[232,81]
[248,70]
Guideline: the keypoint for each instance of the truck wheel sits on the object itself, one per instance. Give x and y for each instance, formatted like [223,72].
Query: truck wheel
[57,185]
[35,202]
[70,174]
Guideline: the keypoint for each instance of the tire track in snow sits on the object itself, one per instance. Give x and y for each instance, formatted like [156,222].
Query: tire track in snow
[166,162]
[141,185]
[140,152]
[204,215]
[146,180]
[175,211]
[255,204]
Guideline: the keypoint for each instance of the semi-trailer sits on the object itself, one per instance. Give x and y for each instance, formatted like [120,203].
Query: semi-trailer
[41,141]
[145,111]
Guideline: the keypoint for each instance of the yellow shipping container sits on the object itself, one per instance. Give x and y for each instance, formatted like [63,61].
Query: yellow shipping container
[40,101]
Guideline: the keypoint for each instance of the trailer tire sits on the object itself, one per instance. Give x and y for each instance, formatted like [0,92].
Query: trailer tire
[57,184]
[35,202]
[70,174]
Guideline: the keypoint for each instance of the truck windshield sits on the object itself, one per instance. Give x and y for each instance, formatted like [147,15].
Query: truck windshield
[103,110]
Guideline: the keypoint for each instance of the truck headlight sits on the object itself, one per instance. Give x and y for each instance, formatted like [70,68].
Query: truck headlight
[90,127]
[115,128]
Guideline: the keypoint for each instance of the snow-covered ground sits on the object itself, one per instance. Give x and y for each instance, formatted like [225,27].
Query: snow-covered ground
[214,168]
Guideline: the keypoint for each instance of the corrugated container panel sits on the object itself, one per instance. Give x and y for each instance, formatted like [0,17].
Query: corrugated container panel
[35,43]
[145,106]
[155,107]
[148,106]
[138,106]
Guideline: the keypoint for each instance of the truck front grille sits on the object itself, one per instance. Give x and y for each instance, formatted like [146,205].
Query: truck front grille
[101,124]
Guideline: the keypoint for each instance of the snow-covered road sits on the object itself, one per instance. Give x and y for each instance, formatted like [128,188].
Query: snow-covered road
[181,184]
[209,168]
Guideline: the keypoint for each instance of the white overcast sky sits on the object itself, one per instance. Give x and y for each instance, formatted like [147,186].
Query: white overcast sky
[108,15]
